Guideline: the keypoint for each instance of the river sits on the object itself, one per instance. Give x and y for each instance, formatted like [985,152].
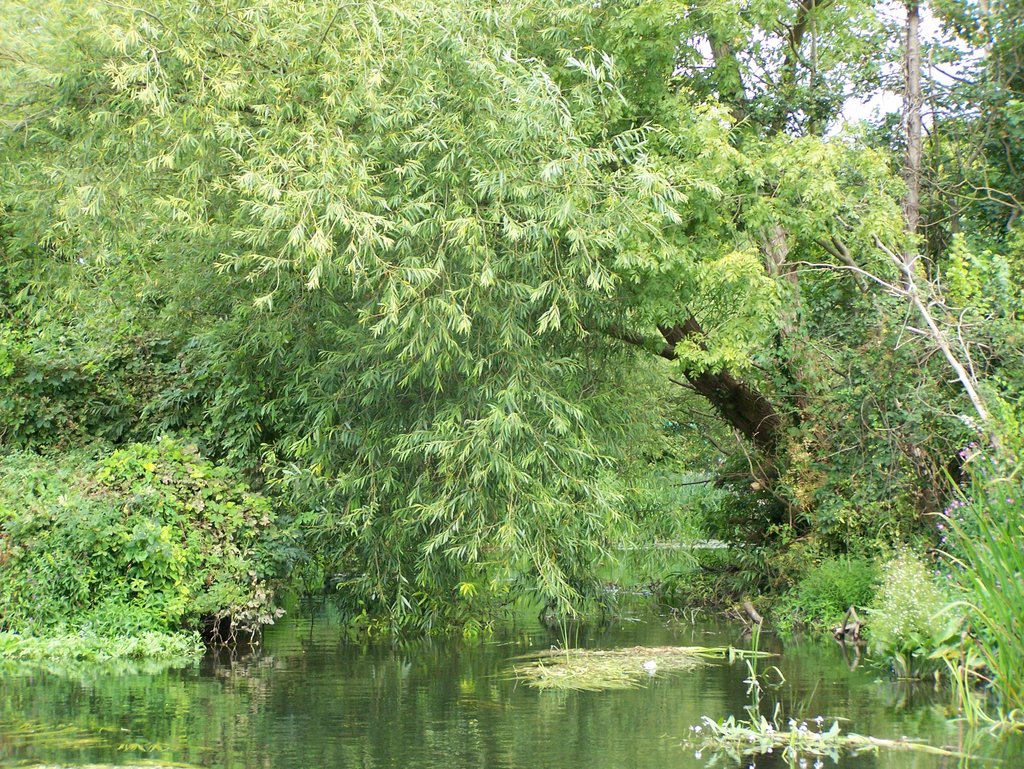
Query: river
[311,698]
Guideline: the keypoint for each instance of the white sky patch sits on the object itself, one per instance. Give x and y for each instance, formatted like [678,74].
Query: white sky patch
[875,106]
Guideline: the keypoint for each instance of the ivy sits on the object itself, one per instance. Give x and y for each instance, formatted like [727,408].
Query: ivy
[151,537]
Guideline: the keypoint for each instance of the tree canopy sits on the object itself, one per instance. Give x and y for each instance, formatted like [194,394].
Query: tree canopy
[439,274]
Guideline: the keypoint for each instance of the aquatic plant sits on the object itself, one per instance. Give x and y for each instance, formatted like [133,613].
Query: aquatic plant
[739,738]
[92,647]
[32,734]
[146,765]
[758,734]
[909,618]
[598,669]
[984,530]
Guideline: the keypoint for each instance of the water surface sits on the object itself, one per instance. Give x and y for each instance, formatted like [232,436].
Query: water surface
[310,699]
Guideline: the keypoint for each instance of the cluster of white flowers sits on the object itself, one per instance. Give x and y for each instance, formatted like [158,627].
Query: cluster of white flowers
[906,606]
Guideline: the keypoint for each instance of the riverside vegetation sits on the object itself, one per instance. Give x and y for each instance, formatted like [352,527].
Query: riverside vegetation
[448,307]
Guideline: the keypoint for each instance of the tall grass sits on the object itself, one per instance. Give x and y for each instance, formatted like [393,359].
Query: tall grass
[986,545]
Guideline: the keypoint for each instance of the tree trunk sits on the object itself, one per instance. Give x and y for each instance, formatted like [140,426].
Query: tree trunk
[913,128]
[743,407]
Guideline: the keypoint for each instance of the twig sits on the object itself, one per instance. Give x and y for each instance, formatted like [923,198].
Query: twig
[912,293]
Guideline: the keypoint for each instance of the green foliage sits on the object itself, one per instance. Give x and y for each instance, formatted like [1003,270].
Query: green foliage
[418,374]
[987,282]
[664,507]
[405,262]
[910,617]
[825,592]
[977,162]
[93,647]
[61,392]
[150,538]
[759,47]
[428,215]
[984,542]
[870,460]
[86,355]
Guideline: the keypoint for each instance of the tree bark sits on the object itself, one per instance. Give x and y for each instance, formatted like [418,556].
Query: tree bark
[742,406]
[739,404]
[913,129]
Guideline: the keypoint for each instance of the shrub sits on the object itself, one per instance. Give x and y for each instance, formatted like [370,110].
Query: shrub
[150,538]
[826,592]
[910,617]
[61,388]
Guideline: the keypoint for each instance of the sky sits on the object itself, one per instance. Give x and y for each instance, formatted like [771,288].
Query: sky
[888,101]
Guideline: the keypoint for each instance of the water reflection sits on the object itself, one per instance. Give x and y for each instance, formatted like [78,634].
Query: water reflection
[311,699]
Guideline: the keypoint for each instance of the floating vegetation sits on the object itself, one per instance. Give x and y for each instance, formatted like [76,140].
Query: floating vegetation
[738,739]
[136,765]
[35,736]
[598,669]
[30,734]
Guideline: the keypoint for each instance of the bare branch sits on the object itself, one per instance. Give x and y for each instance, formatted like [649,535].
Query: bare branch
[938,336]
[857,271]
[839,250]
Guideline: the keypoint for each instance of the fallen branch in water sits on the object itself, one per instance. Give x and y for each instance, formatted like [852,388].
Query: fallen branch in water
[739,739]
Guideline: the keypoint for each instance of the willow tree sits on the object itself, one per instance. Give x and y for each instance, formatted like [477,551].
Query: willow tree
[436,243]
[417,222]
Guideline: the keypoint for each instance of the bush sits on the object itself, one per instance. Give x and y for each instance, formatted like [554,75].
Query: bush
[910,617]
[74,370]
[826,592]
[150,538]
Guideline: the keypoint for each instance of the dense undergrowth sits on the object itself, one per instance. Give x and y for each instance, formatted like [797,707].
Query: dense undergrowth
[133,546]
[495,306]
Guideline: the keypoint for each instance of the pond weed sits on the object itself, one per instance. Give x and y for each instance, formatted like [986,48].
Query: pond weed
[601,669]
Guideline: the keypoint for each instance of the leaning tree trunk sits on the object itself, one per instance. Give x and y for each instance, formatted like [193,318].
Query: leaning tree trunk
[742,406]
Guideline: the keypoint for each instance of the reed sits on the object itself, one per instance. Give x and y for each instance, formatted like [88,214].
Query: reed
[985,532]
